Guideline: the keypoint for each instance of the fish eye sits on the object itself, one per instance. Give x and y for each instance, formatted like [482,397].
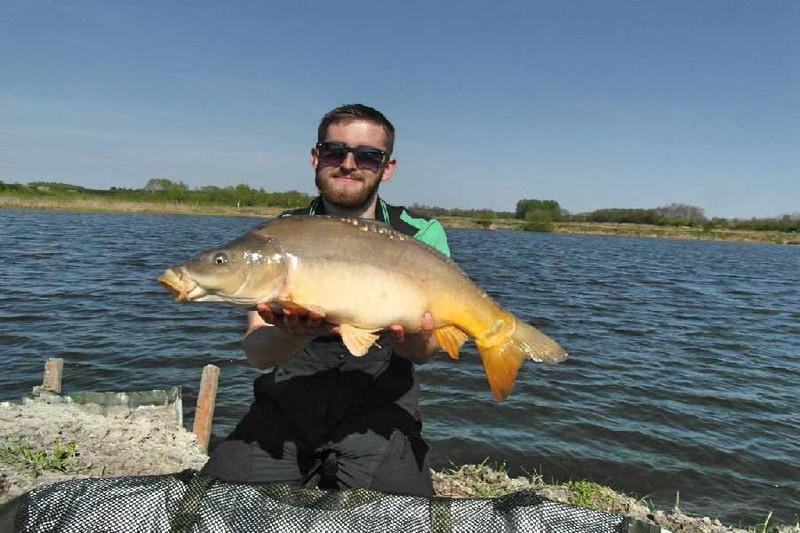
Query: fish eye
[220,259]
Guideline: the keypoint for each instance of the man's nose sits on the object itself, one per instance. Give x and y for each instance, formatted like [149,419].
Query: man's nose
[349,161]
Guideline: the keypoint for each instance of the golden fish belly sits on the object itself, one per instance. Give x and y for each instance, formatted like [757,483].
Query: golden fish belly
[358,294]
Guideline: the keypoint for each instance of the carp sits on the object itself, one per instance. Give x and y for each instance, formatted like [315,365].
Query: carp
[363,276]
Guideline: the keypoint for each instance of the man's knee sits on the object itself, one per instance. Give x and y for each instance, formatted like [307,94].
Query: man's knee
[404,467]
[238,461]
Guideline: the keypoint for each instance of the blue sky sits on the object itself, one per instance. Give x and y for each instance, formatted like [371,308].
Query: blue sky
[592,104]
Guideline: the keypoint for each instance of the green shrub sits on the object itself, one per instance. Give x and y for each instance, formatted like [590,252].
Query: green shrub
[538,221]
[544,227]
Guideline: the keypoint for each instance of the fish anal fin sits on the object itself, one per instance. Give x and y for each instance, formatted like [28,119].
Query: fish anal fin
[501,366]
[357,340]
[450,339]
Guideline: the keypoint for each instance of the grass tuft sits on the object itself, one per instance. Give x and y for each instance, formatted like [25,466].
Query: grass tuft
[482,480]
[22,455]
[589,494]
[766,523]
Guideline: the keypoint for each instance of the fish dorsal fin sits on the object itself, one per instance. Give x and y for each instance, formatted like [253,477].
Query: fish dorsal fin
[450,339]
[357,340]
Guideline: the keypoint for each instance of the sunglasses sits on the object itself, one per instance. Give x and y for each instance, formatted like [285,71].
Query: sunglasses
[366,157]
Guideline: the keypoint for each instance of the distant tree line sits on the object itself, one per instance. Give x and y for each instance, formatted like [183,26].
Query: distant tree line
[669,215]
[166,191]
[687,215]
[539,215]
[238,195]
[786,223]
[481,214]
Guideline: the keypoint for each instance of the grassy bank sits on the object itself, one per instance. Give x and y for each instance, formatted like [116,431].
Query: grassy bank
[29,460]
[583,228]
[115,206]
[490,481]
[43,443]
[632,230]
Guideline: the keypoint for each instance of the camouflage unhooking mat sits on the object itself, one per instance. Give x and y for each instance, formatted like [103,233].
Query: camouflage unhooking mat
[191,502]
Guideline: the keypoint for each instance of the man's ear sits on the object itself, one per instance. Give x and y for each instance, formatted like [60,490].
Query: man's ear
[388,169]
[314,158]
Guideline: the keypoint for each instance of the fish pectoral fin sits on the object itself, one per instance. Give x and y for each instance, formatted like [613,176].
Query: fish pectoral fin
[357,340]
[450,339]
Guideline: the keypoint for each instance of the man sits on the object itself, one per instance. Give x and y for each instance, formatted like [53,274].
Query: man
[323,417]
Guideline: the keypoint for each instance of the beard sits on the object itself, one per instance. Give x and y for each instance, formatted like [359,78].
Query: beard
[345,197]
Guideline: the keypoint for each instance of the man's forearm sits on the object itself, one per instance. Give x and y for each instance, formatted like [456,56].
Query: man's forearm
[267,346]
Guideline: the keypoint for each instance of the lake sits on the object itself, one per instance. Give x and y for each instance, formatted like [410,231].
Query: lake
[684,367]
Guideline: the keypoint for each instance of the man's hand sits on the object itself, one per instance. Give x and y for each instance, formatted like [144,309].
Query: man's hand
[297,322]
[275,336]
[418,347]
[397,333]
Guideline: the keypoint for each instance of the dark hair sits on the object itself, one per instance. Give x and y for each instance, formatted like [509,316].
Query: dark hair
[351,112]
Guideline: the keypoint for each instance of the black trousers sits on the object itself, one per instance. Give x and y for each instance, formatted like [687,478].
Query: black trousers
[396,465]
[331,420]
[330,428]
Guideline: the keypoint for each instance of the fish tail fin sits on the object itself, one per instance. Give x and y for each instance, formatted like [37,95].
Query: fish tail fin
[503,353]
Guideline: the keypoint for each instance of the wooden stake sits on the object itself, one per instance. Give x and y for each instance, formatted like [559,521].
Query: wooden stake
[53,369]
[206,399]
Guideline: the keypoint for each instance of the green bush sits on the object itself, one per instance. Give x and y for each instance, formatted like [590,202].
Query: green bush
[538,220]
[527,207]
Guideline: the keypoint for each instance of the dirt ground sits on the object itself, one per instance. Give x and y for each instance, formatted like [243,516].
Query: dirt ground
[124,443]
[37,442]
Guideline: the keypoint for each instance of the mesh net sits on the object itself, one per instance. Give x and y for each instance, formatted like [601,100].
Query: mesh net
[191,502]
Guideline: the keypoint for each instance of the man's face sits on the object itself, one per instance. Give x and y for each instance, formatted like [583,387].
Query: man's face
[346,185]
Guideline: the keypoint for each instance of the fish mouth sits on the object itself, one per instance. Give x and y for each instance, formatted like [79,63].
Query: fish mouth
[178,284]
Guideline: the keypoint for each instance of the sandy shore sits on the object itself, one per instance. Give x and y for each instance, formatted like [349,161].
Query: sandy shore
[145,442]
